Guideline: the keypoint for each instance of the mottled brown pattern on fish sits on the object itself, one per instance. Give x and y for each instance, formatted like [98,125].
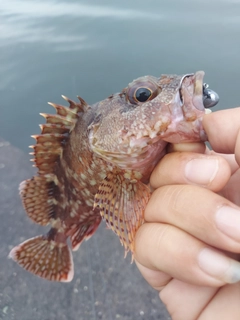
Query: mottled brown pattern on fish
[95,161]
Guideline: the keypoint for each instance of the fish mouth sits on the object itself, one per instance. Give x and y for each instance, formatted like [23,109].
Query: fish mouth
[202,96]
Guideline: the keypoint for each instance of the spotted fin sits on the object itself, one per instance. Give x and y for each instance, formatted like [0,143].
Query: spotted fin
[38,193]
[84,231]
[38,198]
[45,258]
[54,134]
[122,203]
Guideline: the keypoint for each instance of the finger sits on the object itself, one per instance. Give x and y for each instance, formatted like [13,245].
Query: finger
[231,190]
[197,147]
[222,129]
[186,301]
[230,158]
[200,147]
[210,171]
[157,279]
[237,148]
[225,304]
[199,212]
[163,247]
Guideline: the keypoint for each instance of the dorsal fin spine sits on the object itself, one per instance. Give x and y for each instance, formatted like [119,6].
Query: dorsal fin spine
[83,103]
[65,112]
[54,133]
[77,107]
[57,119]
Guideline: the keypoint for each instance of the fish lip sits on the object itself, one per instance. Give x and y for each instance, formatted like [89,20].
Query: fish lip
[198,90]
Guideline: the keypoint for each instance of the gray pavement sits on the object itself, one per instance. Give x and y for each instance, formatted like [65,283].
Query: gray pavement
[105,285]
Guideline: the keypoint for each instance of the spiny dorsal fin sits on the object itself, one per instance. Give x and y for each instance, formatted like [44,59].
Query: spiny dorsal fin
[38,193]
[67,113]
[82,106]
[56,119]
[51,128]
[54,133]
[122,202]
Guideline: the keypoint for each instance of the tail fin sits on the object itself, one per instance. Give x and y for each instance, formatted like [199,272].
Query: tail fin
[45,258]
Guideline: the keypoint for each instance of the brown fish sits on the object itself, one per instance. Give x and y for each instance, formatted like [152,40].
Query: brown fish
[95,161]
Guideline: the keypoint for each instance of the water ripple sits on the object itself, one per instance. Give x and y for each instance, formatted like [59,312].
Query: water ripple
[56,9]
[49,22]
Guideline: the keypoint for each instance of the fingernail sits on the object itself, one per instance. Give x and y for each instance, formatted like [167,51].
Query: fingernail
[228,221]
[201,171]
[219,266]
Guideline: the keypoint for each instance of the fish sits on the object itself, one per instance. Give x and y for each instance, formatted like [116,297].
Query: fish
[94,163]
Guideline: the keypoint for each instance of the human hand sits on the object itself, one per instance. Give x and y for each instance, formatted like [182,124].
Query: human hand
[189,247]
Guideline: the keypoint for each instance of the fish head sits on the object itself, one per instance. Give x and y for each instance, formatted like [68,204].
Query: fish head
[149,113]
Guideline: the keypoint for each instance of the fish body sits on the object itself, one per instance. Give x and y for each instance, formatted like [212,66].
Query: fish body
[95,162]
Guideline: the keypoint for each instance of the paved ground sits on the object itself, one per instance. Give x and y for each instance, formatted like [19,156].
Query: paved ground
[105,286]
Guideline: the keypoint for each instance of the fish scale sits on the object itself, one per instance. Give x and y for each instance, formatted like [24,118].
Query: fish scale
[94,162]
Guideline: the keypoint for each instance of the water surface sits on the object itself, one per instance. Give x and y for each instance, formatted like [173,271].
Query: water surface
[93,49]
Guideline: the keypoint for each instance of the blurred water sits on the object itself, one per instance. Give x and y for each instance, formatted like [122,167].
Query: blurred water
[92,49]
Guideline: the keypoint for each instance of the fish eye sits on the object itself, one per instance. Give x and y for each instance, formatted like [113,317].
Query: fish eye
[142,91]
[143,94]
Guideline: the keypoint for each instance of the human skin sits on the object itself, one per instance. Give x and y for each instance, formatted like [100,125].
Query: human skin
[189,247]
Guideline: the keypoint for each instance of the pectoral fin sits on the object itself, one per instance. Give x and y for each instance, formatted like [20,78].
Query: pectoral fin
[122,203]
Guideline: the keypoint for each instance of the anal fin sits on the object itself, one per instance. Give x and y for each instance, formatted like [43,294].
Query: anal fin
[122,203]
[83,231]
[45,258]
